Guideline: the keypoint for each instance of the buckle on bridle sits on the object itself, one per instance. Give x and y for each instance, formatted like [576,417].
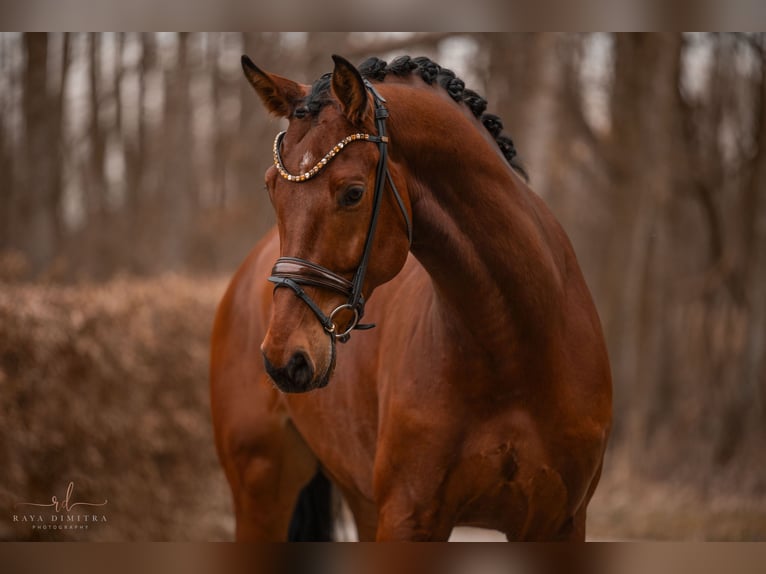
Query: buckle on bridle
[333,328]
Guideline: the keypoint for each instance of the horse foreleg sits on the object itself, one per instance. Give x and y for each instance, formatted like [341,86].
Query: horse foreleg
[404,517]
[574,529]
[411,503]
[267,464]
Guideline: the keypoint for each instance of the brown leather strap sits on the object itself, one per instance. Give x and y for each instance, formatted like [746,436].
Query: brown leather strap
[308,273]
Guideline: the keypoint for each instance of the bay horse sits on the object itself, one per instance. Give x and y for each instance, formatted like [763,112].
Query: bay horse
[483,395]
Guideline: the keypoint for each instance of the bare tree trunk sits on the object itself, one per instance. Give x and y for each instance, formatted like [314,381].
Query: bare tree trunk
[755,232]
[573,165]
[34,228]
[7,167]
[521,75]
[119,72]
[246,170]
[645,143]
[57,140]
[221,133]
[97,188]
[136,149]
[7,176]
[179,192]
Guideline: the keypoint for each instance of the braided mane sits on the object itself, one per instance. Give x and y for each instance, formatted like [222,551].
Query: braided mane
[375,69]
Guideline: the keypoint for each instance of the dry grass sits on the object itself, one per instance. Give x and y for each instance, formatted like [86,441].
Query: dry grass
[630,506]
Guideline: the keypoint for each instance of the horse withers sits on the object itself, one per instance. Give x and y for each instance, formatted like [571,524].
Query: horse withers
[481,397]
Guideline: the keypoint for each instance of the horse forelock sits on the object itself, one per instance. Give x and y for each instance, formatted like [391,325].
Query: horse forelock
[377,70]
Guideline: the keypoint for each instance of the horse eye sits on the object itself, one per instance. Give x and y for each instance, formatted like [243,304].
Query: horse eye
[352,196]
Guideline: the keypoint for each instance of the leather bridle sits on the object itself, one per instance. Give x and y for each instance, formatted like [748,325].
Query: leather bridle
[294,272]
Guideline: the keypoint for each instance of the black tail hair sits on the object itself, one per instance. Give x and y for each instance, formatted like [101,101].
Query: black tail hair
[312,519]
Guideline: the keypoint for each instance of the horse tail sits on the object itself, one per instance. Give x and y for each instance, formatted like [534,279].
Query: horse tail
[312,519]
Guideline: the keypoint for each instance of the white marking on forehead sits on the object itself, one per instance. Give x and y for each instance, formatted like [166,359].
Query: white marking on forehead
[307,161]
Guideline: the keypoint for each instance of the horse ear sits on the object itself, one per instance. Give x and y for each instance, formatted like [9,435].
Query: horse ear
[279,94]
[348,87]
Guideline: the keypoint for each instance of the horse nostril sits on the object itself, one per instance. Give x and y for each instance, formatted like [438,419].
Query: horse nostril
[299,369]
[270,368]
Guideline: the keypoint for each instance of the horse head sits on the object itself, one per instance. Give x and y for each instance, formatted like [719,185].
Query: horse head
[342,214]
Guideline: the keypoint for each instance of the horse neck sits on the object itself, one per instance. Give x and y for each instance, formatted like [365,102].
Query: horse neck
[482,236]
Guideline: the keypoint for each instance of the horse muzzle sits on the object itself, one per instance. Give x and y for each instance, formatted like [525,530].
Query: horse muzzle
[299,374]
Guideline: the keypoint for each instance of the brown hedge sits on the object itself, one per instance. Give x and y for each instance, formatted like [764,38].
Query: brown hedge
[107,386]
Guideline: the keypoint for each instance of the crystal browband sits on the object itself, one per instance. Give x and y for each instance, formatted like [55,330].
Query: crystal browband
[322,162]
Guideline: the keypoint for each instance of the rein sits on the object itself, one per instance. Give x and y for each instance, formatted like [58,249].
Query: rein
[294,272]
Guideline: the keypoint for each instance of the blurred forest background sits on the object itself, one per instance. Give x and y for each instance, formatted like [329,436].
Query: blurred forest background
[131,187]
